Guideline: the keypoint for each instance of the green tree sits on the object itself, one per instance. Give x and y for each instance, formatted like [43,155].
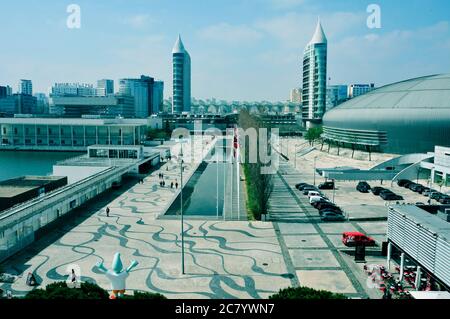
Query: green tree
[259,186]
[305,293]
[313,134]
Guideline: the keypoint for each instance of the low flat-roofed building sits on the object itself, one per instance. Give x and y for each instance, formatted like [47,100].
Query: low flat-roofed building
[424,237]
[22,189]
[68,134]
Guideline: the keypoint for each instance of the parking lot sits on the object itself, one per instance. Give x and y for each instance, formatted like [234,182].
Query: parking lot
[315,247]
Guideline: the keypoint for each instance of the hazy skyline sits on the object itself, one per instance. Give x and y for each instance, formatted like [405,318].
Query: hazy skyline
[240,49]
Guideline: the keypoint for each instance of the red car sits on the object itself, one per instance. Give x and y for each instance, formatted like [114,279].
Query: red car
[352,239]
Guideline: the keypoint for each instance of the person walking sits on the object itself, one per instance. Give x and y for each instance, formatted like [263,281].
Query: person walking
[176,185]
[107,211]
[171,185]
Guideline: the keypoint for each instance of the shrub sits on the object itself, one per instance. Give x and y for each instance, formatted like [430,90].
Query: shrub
[59,290]
[305,293]
[142,295]
[87,291]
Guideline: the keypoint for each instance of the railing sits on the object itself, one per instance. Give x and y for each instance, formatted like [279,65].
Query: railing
[18,213]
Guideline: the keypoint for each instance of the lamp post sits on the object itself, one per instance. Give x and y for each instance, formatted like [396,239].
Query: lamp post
[314,171]
[181,210]
[334,189]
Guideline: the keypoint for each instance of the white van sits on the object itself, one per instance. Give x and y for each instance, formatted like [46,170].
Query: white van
[313,193]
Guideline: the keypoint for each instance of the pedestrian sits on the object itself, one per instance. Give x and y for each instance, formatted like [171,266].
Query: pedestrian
[73,277]
[176,185]
[164,183]
[171,185]
[107,211]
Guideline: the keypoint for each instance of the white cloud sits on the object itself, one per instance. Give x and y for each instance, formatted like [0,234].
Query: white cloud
[138,21]
[230,34]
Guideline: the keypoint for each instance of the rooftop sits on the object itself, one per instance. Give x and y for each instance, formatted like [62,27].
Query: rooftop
[428,221]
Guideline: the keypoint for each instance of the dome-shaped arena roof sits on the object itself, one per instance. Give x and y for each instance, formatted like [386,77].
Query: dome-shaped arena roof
[408,116]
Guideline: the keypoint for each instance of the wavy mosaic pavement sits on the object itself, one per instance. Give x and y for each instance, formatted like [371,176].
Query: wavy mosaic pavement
[224,259]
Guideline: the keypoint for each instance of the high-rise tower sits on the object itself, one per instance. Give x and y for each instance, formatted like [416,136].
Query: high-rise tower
[181,78]
[314,91]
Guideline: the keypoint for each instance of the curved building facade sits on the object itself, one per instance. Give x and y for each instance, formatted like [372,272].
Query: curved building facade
[314,90]
[405,117]
[181,78]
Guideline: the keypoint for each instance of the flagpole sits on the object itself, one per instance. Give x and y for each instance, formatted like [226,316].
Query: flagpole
[238,179]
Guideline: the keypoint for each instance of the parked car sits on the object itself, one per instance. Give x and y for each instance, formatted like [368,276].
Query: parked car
[390,196]
[352,239]
[332,216]
[423,190]
[314,193]
[323,205]
[363,187]
[314,199]
[335,209]
[403,182]
[444,199]
[321,202]
[377,190]
[428,192]
[436,195]
[416,187]
[308,189]
[327,185]
[300,185]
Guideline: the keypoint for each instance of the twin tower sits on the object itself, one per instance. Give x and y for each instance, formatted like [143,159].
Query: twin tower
[314,90]
[181,61]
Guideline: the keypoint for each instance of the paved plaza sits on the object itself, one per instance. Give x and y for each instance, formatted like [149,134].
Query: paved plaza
[224,259]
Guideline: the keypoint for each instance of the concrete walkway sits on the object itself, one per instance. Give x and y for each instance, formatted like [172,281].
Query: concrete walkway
[224,259]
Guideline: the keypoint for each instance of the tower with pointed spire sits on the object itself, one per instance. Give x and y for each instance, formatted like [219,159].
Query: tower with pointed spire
[314,88]
[181,78]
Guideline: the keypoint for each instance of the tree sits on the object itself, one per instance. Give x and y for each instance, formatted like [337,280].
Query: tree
[259,185]
[305,293]
[313,134]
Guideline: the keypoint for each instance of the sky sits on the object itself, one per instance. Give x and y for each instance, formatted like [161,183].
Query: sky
[247,50]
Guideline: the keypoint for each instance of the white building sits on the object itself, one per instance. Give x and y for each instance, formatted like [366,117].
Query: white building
[355,90]
[72,89]
[181,78]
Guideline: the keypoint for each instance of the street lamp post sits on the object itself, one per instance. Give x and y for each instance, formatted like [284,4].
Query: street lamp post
[334,189]
[314,171]
[181,210]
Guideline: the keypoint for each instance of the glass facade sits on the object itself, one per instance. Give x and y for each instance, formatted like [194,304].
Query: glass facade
[315,77]
[181,78]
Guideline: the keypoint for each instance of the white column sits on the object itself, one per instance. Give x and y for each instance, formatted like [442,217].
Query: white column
[402,265]
[389,252]
[418,277]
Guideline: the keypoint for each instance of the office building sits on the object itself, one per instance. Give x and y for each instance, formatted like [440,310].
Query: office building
[42,103]
[73,89]
[142,91]
[105,87]
[315,78]
[5,91]
[25,87]
[355,90]
[181,78]
[68,134]
[79,106]
[336,94]
[158,97]
[411,116]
